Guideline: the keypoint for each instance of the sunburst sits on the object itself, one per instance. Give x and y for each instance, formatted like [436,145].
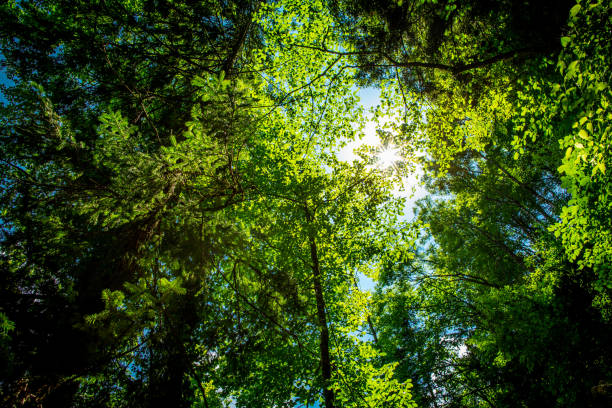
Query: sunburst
[388,157]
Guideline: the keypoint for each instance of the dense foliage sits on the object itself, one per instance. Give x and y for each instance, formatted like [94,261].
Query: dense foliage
[505,300]
[177,230]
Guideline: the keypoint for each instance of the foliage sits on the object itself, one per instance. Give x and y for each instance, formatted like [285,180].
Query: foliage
[508,282]
[585,98]
[177,230]
[167,172]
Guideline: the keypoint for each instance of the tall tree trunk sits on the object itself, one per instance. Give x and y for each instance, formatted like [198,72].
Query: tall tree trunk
[328,394]
[241,36]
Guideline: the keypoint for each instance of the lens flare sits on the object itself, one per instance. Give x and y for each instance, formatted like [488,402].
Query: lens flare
[388,157]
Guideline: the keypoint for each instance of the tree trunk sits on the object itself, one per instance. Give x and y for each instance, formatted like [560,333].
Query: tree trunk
[328,394]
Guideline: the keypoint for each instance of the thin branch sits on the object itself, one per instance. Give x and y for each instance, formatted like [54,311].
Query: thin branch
[454,69]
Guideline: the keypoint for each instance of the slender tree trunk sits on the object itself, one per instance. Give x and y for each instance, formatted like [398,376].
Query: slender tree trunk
[372,330]
[328,394]
[228,65]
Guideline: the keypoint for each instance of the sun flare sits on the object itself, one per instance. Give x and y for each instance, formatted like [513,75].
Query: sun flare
[388,156]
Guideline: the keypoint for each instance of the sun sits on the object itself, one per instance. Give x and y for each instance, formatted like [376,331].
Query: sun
[388,156]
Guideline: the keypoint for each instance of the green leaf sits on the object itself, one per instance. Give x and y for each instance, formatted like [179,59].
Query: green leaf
[574,10]
[572,68]
[565,41]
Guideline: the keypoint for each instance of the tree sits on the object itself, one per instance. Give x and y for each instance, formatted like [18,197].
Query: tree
[137,148]
[177,230]
[481,96]
[426,39]
[308,225]
[489,302]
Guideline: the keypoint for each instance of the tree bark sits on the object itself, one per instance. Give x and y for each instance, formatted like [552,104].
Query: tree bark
[228,65]
[328,394]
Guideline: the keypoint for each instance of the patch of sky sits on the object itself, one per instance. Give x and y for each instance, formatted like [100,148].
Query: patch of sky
[5,81]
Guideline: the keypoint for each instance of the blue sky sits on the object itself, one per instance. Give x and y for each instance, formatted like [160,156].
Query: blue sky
[3,79]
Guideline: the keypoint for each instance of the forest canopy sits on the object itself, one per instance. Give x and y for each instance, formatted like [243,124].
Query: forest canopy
[177,228]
